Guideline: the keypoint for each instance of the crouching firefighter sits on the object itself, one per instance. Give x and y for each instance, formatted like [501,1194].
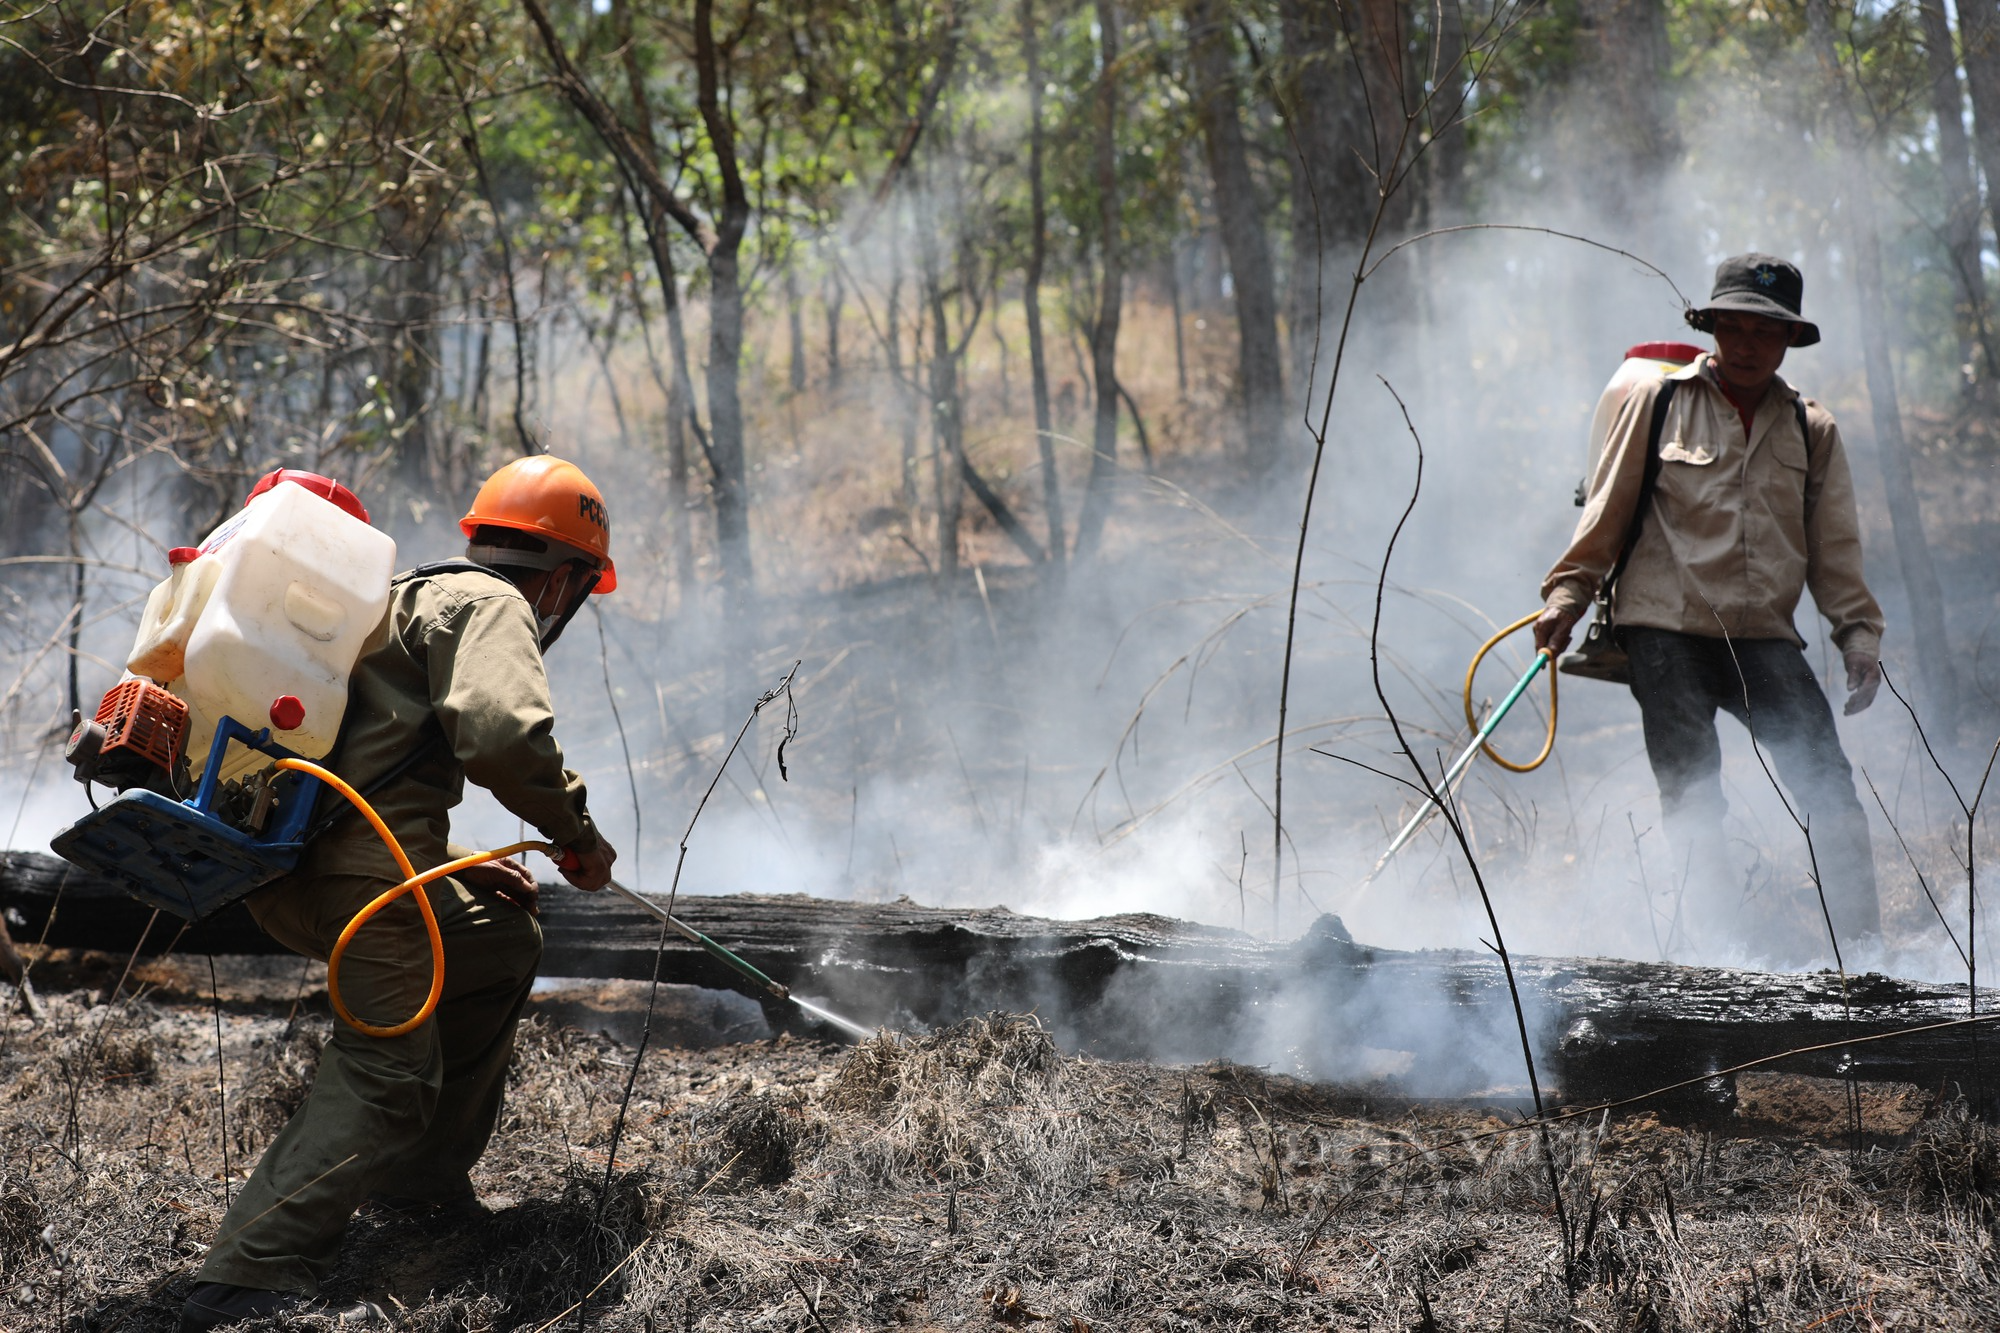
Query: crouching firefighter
[450,686]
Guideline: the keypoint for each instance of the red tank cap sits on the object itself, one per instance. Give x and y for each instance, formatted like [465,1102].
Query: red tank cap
[1678,352]
[180,555]
[287,713]
[326,488]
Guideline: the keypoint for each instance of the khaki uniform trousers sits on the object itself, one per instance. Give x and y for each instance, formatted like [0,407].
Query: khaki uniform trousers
[407,1115]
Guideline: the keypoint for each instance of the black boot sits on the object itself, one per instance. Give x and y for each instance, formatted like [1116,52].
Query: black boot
[214,1305]
[458,1211]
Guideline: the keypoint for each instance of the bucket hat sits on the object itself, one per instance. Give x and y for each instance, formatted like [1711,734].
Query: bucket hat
[1757,285]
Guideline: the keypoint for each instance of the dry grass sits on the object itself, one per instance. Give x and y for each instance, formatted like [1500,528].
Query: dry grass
[977,1177]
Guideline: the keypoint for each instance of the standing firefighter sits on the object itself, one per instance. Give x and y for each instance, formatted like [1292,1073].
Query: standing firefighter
[1751,504]
[450,686]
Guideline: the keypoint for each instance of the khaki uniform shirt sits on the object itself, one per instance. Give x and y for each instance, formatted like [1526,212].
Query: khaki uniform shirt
[1738,526]
[457,655]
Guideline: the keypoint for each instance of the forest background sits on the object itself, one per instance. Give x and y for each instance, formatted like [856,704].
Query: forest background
[985,356]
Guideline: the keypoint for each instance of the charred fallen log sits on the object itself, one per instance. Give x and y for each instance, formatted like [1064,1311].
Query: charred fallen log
[1428,1023]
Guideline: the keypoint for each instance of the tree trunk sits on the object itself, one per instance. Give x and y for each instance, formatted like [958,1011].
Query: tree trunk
[78,569]
[725,411]
[679,388]
[1331,191]
[1624,117]
[1913,552]
[1140,986]
[1111,290]
[947,430]
[681,418]
[1444,119]
[1379,35]
[482,370]
[412,351]
[725,327]
[1242,223]
[833,295]
[1180,319]
[1961,228]
[680,514]
[1031,293]
[1979,37]
[795,325]
[904,396]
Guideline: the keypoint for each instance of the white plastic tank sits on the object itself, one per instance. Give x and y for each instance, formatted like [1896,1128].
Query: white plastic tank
[264,620]
[1647,361]
[160,651]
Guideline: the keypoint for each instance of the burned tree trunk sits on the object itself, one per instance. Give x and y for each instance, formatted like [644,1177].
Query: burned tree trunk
[1430,1023]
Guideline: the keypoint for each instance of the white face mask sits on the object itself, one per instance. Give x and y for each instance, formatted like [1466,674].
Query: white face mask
[547,627]
[577,590]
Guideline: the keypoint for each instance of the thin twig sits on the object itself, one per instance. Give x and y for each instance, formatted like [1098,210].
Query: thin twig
[783,687]
[1971,812]
[1448,810]
[1922,882]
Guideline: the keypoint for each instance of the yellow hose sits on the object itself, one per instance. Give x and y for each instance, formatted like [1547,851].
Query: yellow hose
[1549,744]
[412,881]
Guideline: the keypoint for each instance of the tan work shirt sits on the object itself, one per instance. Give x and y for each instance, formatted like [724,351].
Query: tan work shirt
[1738,526]
[460,647]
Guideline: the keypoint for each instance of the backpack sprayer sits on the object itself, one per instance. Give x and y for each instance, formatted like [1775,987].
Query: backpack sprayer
[187,857]
[240,664]
[1598,657]
[279,598]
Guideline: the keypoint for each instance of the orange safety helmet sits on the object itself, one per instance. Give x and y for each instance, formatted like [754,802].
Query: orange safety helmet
[550,498]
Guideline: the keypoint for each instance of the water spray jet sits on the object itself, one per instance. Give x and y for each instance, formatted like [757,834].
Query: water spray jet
[748,971]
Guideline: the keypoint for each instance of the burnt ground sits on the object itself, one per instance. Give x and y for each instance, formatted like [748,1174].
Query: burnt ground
[972,1178]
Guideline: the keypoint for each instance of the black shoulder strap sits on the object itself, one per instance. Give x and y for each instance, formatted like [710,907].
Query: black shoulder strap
[1805,431]
[455,565]
[1661,402]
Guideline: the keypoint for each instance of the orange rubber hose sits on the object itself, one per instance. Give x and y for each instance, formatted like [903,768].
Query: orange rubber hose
[412,882]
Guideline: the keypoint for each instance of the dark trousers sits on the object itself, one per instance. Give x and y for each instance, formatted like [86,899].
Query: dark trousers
[406,1115]
[1679,681]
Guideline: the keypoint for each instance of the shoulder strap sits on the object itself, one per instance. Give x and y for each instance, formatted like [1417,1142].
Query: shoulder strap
[455,565]
[1661,403]
[1805,431]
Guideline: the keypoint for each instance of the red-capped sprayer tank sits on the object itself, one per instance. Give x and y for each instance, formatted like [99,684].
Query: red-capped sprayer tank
[1643,362]
[264,619]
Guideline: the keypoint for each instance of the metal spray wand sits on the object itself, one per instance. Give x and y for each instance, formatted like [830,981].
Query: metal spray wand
[748,971]
[1454,773]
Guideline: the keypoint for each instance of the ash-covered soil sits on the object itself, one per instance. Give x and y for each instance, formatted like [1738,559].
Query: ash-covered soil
[974,1178]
